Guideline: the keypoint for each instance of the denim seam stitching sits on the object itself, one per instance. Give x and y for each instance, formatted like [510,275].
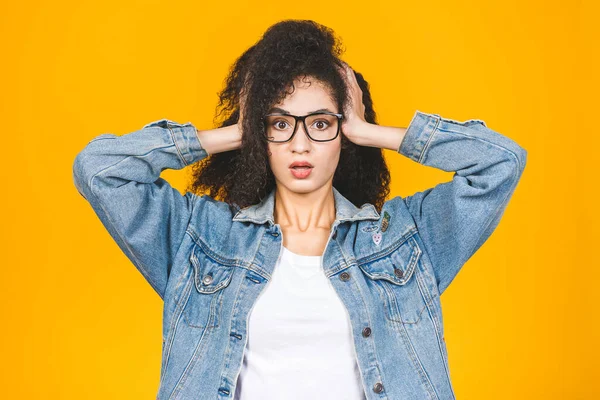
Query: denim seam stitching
[415,115]
[412,353]
[174,139]
[191,213]
[179,307]
[429,140]
[191,363]
[440,344]
[434,320]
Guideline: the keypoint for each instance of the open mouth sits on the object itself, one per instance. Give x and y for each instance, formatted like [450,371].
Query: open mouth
[301,171]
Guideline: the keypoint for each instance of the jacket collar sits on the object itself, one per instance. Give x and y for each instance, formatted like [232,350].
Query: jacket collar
[345,210]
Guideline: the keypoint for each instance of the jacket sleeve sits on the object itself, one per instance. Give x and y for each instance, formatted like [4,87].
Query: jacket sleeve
[455,218]
[119,177]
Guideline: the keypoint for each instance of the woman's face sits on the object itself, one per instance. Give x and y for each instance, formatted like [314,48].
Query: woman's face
[308,96]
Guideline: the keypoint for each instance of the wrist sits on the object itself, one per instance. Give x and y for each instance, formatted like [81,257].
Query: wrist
[220,139]
[385,137]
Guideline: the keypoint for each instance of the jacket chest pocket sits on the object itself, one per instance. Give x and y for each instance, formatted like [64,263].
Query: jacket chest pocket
[393,276]
[210,278]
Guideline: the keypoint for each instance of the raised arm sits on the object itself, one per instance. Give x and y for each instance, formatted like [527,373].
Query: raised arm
[120,177]
[455,218]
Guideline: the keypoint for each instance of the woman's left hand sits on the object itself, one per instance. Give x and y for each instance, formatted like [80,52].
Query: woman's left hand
[354,122]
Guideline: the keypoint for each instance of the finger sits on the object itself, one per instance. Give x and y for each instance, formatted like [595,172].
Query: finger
[344,68]
[352,78]
[352,75]
[348,71]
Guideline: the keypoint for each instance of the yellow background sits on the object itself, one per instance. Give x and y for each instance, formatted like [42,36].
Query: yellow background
[80,322]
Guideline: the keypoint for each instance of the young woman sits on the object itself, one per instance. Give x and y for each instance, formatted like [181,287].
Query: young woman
[294,278]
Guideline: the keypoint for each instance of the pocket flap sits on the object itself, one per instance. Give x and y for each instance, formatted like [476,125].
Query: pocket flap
[396,267]
[209,275]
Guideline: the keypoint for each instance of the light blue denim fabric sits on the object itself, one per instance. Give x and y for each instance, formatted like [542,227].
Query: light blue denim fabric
[209,261]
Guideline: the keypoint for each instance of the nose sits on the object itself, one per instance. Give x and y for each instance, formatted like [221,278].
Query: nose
[300,141]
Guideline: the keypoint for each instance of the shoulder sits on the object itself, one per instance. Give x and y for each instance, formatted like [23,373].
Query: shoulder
[395,211]
[210,214]
[204,206]
[212,226]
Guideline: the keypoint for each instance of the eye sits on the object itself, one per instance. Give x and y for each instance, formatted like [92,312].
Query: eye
[277,124]
[322,121]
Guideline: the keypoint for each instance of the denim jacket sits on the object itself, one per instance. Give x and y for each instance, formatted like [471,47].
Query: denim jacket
[209,261]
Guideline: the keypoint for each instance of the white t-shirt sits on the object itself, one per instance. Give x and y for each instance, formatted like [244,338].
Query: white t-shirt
[299,341]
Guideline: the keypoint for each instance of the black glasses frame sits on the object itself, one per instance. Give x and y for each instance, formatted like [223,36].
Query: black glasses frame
[340,118]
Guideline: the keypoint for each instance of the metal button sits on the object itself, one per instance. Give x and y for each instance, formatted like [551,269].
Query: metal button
[344,276]
[366,332]
[275,234]
[207,279]
[378,387]
[398,272]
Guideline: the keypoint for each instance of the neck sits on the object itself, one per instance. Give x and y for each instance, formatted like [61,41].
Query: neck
[304,211]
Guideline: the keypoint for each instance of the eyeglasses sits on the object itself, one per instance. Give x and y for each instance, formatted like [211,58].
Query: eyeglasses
[320,127]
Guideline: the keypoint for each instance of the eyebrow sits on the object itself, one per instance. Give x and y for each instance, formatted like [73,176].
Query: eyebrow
[282,111]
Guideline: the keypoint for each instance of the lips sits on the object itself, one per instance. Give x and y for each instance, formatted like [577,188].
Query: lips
[300,165]
[301,170]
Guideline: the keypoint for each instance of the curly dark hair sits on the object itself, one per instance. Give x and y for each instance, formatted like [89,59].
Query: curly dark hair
[288,50]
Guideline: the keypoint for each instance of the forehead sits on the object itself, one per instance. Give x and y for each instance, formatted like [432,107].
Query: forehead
[306,96]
